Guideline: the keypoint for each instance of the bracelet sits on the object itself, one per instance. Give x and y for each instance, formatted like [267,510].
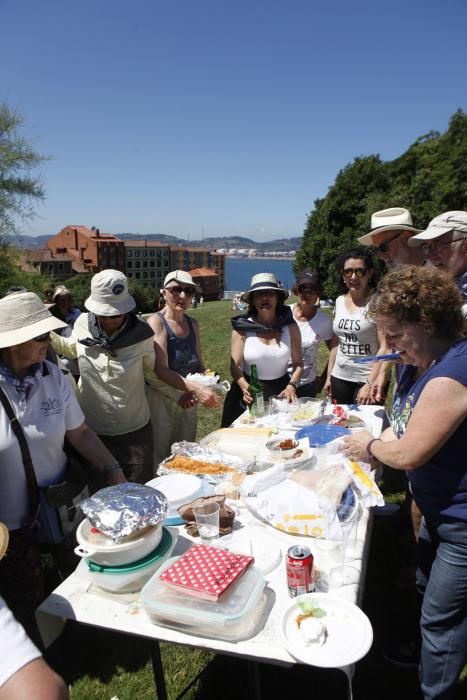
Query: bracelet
[369,382]
[294,384]
[368,448]
[110,468]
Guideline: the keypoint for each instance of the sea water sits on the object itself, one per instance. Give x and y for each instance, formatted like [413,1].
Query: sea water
[239,271]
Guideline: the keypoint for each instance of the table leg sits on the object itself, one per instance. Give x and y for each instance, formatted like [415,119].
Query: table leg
[254,680]
[158,670]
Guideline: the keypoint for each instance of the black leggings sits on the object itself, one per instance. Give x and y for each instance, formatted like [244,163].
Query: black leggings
[233,404]
[344,391]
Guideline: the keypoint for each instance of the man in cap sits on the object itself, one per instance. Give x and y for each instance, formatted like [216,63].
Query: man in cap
[391,229]
[444,243]
[62,307]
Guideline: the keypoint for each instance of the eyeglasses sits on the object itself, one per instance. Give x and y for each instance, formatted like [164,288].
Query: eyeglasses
[42,338]
[189,291]
[308,290]
[358,271]
[436,245]
[384,247]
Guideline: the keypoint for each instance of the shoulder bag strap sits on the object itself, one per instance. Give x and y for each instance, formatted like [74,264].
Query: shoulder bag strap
[33,488]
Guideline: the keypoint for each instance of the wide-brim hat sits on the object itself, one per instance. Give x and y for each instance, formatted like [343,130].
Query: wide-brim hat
[444,223]
[183,277]
[109,294]
[264,281]
[393,219]
[4,539]
[23,317]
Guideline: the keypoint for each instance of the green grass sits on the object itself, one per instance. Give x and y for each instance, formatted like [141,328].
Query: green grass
[101,665]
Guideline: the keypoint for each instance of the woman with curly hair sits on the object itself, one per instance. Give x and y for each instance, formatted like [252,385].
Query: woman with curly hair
[347,381]
[418,310]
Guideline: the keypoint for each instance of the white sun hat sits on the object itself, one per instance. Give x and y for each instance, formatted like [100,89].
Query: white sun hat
[23,316]
[444,223]
[264,281]
[393,219]
[109,294]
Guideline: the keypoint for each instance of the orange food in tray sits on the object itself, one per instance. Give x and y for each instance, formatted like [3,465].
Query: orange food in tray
[188,465]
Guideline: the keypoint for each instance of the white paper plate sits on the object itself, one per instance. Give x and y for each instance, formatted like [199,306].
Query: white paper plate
[350,634]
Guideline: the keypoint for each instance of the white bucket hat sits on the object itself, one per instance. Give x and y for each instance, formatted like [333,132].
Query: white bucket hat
[444,223]
[264,281]
[23,317]
[61,290]
[181,276]
[109,294]
[393,219]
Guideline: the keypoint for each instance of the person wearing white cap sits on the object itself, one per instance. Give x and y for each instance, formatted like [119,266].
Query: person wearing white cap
[23,671]
[115,352]
[444,243]
[178,353]
[47,410]
[391,230]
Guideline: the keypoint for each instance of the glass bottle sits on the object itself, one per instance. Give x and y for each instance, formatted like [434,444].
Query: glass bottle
[256,407]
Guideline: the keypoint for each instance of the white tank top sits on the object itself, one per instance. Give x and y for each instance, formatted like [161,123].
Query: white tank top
[357,338]
[270,360]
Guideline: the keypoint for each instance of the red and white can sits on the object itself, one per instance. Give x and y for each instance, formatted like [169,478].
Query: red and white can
[300,571]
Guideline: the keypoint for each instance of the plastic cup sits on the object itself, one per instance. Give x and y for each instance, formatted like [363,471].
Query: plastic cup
[207,520]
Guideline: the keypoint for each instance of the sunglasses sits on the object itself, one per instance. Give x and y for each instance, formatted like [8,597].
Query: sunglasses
[384,247]
[358,271]
[436,245]
[42,338]
[189,291]
[308,290]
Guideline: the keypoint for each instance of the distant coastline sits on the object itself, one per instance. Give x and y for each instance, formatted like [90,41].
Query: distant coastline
[260,257]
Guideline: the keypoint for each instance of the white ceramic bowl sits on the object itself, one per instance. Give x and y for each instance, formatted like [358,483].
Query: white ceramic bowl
[106,551]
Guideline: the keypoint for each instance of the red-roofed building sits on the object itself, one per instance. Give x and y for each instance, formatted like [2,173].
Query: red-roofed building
[208,280]
[182,258]
[88,246]
[57,265]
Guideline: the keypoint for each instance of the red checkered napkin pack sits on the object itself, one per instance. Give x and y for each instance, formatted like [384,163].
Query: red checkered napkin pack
[206,572]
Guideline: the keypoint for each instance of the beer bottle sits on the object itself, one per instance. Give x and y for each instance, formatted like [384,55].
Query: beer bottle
[256,391]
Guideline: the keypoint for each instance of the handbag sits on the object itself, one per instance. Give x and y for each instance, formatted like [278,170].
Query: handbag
[55,508]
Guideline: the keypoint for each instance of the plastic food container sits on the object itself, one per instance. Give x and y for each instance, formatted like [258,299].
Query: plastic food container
[103,550]
[233,617]
[128,578]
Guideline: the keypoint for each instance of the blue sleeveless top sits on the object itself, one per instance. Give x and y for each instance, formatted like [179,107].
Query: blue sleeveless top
[439,486]
[181,352]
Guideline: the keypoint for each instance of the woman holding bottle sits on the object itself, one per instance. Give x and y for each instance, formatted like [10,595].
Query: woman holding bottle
[268,337]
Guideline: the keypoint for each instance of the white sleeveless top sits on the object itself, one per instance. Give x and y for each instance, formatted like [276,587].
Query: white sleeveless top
[357,338]
[271,360]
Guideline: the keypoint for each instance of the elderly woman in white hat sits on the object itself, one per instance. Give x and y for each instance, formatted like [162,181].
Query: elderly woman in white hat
[115,352]
[178,353]
[48,412]
[267,336]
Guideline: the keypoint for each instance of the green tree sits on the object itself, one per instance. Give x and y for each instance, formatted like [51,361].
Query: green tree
[20,190]
[429,178]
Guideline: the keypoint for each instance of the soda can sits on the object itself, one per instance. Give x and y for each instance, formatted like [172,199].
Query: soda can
[300,571]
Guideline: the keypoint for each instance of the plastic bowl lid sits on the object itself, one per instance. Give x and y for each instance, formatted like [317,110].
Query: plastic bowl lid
[150,558]
[319,435]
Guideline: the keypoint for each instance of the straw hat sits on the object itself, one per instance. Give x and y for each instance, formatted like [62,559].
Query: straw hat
[109,294]
[444,223]
[394,219]
[23,316]
[4,539]
[264,281]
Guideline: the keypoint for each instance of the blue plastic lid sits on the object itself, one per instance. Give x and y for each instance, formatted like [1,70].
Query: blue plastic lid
[320,434]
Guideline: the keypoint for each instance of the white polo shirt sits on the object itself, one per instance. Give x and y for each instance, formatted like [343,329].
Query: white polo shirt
[16,649]
[50,410]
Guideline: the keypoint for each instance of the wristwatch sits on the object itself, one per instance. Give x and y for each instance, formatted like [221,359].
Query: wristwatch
[109,468]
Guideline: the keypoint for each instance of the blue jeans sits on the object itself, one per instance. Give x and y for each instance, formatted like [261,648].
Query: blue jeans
[442,579]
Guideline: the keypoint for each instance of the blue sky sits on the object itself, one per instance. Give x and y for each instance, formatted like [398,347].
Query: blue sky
[214,117]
